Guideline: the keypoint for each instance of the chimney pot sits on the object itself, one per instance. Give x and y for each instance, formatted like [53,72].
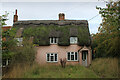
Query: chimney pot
[15,16]
[16,12]
[61,16]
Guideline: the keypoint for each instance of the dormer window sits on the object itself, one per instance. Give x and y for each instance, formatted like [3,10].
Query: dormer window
[53,40]
[19,41]
[73,40]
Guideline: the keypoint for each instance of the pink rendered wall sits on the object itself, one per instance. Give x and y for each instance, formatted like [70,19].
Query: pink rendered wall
[61,51]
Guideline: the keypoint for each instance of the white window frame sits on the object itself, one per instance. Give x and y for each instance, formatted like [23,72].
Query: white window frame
[75,40]
[53,40]
[50,57]
[20,40]
[7,62]
[72,54]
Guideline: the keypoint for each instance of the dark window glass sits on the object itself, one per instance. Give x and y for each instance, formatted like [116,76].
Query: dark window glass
[9,61]
[4,62]
[68,55]
[76,56]
[72,57]
[55,40]
[48,57]
[55,57]
[51,40]
[52,58]
[84,53]
[82,56]
[72,53]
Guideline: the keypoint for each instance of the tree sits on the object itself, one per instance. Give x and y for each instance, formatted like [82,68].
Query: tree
[107,40]
[8,44]
[10,50]
[3,18]
[24,54]
[8,41]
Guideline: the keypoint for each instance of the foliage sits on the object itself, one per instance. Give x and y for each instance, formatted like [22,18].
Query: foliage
[106,42]
[106,67]
[8,44]
[42,33]
[11,51]
[64,36]
[24,54]
[63,62]
[84,36]
[3,18]
[50,71]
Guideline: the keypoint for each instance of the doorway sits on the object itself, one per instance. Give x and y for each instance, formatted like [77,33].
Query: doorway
[84,58]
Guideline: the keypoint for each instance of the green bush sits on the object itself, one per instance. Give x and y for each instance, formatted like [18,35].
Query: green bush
[106,67]
[24,54]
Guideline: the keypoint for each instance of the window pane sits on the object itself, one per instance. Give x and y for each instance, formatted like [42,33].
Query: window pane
[72,53]
[55,57]
[48,57]
[52,58]
[71,40]
[68,55]
[4,62]
[76,55]
[20,39]
[51,40]
[72,57]
[75,40]
[56,40]
[83,55]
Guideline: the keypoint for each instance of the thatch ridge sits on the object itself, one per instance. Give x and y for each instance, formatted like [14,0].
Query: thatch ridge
[54,22]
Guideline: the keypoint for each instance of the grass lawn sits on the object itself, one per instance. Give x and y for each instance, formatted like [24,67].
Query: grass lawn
[52,71]
[106,67]
[58,72]
[100,68]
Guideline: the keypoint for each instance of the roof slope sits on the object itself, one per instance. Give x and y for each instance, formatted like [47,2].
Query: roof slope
[42,30]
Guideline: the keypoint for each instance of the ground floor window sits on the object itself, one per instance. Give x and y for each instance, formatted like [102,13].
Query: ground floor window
[5,62]
[52,57]
[72,56]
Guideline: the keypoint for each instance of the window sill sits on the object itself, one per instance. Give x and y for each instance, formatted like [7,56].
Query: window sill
[73,43]
[53,43]
[72,60]
[52,62]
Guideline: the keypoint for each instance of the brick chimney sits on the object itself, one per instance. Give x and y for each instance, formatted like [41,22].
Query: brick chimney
[15,16]
[61,16]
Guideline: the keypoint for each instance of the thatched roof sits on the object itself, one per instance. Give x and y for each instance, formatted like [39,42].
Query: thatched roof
[41,30]
[54,22]
[19,33]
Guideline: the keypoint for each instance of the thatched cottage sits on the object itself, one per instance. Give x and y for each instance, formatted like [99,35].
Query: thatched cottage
[57,39]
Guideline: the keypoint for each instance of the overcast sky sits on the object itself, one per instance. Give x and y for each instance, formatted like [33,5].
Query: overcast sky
[51,0]
[50,11]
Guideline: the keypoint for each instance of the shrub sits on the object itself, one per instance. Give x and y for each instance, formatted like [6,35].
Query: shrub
[105,67]
[25,53]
